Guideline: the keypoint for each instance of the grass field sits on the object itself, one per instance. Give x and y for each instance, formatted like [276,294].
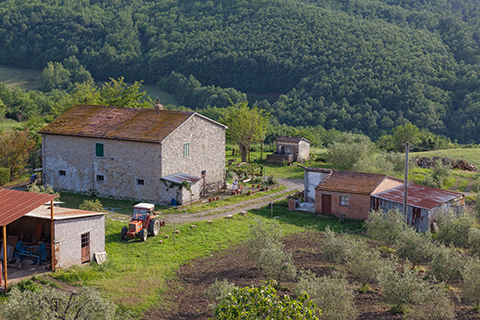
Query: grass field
[472,155]
[8,124]
[136,273]
[20,78]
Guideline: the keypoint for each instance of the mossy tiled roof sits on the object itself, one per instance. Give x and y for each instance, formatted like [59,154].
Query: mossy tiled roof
[351,182]
[146,125]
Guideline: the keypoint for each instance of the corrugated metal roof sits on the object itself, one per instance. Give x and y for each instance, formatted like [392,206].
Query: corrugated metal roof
[419,196]
[180,177]
[43,212]
[291,139]
[15,204]
[146,125]
[351,182]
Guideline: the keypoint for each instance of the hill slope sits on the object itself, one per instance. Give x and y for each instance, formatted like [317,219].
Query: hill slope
[361,65]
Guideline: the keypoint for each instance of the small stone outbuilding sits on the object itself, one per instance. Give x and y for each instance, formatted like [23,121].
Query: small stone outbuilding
[290,149]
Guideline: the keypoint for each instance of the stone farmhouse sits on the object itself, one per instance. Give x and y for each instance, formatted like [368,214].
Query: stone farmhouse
[126,153]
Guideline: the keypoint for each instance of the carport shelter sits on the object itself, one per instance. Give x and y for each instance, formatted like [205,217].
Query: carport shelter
[75,235]
[14,205]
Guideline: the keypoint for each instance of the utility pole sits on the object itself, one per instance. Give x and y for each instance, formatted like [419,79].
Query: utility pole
[405,183]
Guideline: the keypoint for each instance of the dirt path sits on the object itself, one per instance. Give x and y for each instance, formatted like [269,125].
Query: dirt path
[290,184]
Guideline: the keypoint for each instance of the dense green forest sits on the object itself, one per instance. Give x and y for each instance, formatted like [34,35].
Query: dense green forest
[364,66]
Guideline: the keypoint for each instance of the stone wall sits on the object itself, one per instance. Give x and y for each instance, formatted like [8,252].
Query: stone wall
[303,151]
[68,235]
[183,196]
[123,164]
[206,150]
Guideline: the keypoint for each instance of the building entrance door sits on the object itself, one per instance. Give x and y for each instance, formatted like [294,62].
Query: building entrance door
[326,203]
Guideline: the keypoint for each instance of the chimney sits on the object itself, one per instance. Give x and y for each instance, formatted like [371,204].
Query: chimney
[158,106]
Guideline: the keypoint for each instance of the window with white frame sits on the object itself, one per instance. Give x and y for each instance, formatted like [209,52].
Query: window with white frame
[100,178]
[344,201]
[186,149]
[62,173]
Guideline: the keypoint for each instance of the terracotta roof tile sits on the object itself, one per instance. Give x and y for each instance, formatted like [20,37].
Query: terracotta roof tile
[146,125]
[351,182]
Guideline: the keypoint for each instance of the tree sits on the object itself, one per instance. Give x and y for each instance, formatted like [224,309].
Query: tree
[264,303]
[55,76]
[348,149]
[245,126]
[15,148]
[114,93]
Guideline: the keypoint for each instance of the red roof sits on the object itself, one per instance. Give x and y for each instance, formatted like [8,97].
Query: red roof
[134,124]
[419,196]
[351,182]
[15,204]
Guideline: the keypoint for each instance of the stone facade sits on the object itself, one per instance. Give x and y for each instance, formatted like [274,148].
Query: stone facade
[132,169]
[68,235]
[289,149]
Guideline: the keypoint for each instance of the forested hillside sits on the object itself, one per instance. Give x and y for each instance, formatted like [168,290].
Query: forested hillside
[359,65]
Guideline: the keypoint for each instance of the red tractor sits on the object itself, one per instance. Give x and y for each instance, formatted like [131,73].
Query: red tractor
[144,221]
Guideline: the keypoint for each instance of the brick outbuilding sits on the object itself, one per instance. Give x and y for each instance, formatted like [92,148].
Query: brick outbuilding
[349,192]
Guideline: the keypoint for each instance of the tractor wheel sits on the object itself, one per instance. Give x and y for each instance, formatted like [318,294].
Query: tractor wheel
[154,227]
[124,233]
[143,235]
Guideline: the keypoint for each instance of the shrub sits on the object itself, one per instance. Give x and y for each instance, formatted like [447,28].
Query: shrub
[471,282]
[385,226]
[55,304]
[4,176]
[474,240]
[399,288]
[332,295]
[275,263]
[91,205]
[417,247]
[219,291]
[433,303]
[38,188]
[266,249]
[447,264]
[364,265]
[453,229]
[339,248]
[264,303]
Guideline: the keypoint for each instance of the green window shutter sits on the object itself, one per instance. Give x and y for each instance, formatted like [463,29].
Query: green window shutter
[99,150]
[186,149]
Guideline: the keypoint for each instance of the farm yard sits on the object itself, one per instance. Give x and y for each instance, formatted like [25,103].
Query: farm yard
[167,276]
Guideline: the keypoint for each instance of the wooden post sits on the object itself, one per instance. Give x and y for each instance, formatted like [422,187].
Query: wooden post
[405,184]
[5,255]
[52,234]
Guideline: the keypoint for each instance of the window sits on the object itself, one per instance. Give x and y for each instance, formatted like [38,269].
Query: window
[85,239]
[186,150]
[99,150]
[100,177]
[140,182]
[344,201]
[61,172]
